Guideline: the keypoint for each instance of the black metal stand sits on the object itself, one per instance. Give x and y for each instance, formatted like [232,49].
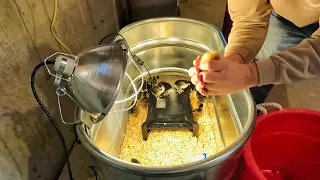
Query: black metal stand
[172,111]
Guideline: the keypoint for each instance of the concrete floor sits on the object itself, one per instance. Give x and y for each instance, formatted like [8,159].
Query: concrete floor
[80,161]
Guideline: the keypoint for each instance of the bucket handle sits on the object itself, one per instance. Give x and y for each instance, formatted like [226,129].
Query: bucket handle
[262,107]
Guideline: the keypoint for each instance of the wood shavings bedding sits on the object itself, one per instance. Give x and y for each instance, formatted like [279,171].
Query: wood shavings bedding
[170,147]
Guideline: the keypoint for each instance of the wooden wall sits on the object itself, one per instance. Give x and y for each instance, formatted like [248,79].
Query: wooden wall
[29,145]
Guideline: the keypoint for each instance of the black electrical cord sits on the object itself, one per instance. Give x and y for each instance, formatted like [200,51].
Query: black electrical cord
[48,114]
[104,38]
[95,172]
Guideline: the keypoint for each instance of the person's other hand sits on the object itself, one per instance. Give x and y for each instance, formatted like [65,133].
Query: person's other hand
[195,70]
[196,63]
[224,76]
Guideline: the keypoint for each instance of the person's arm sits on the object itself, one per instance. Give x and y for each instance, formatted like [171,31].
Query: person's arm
[225,76]
[250,25]
[291,65]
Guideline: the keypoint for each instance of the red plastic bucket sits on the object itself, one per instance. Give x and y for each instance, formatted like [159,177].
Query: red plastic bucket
[285,145]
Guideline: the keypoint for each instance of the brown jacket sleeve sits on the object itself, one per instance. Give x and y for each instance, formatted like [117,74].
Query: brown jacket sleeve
[250,24]
[291,65]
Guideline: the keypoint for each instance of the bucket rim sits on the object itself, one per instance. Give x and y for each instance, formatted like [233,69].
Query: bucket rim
[247,150]
[289,111]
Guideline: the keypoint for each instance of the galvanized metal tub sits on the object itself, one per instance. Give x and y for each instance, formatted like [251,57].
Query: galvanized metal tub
[166,43]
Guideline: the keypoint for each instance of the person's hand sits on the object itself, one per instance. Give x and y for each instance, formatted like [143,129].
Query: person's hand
[230,56]
[223,76]
[195,70]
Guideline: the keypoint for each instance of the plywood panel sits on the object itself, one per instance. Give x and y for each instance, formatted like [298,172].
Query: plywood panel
[29,145]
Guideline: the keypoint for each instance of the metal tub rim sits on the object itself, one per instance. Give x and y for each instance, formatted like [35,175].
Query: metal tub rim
[177,170]
[178,19]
